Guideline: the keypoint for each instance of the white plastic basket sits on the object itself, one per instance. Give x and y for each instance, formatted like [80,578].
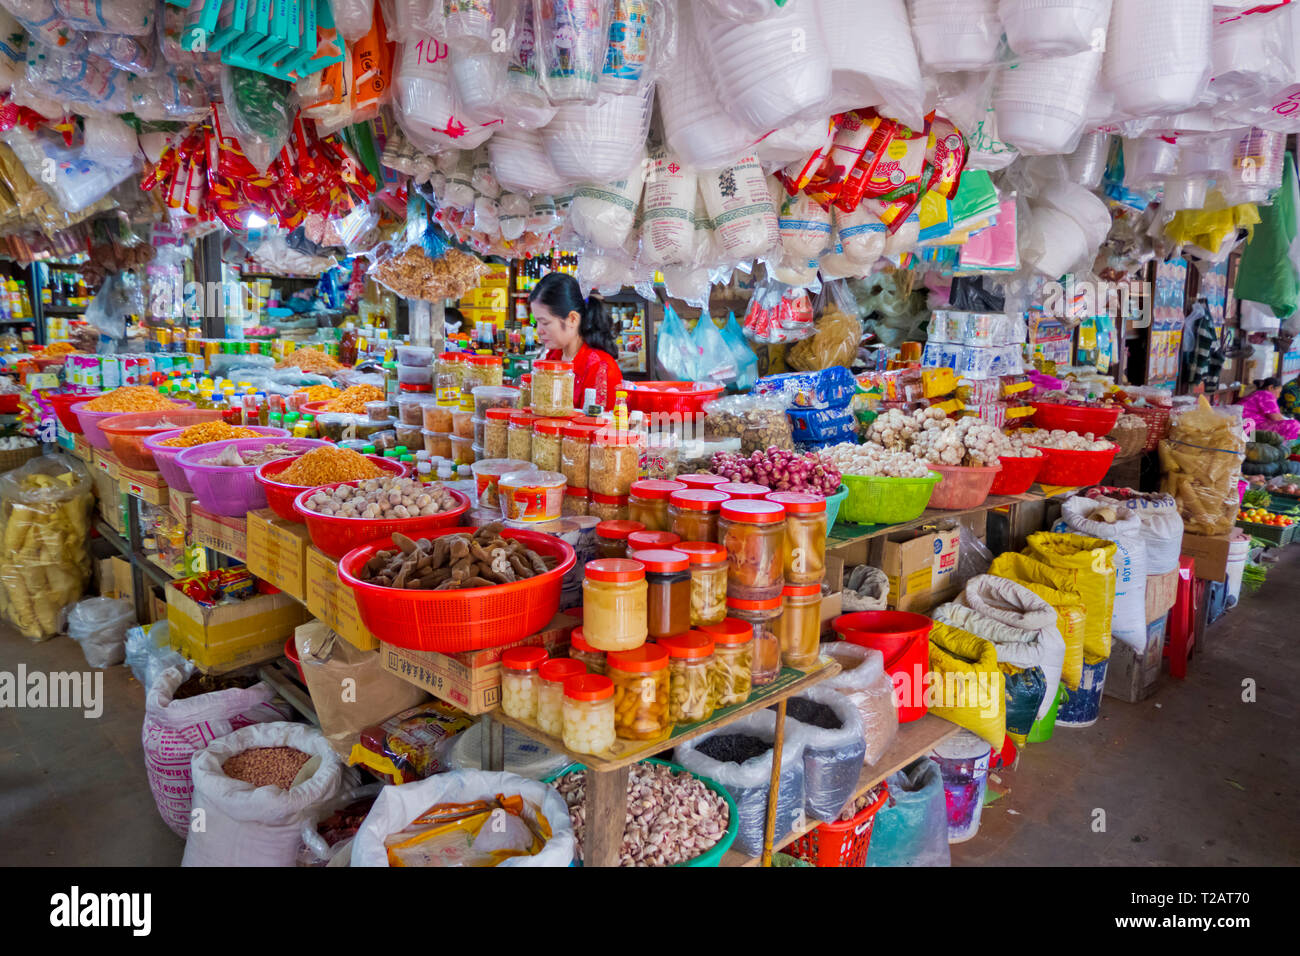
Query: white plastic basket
[1050,28]
[1158,54]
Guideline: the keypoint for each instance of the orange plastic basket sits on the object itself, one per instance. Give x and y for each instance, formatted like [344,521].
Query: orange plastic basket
[841,843]
[126,434]
[337,536]
[469,619]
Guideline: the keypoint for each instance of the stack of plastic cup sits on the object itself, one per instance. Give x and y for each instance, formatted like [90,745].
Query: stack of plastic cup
[479,82]
[426,103]
[1087,209]
[1087,164]
[1042,105]
[468,23]
[571,39]
[599,142]
[1185,192]
[884,71]
[956,35]
[521,163]
[1048,28]
[1158,54]
[1149,161]
[1252,57]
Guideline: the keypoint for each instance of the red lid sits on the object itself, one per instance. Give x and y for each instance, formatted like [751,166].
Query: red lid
[523,658]
[743,489]
[502,413]
[611,436]
[527,377]
[576,429]
[798,501]
[697,499]
[661,560]
[483,359]
[576,492]
[702,552]
[450,356]
[692,644]
[552,365]
[656,489]
[408,387]
[639,660]
[617,530]
[765,605]
[647,540]
[801,590]
[702,480]
[754,511]
[615,569]
[578,419]
[589,687]
[561,669]
[549,426]
[577,642]
[731,630]
[523,418]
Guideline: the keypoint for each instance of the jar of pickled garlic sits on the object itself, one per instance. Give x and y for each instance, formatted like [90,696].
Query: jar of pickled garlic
[496,426]
[607,507]
[692,695]
[575,451]
[805,536]
[708,580]
[520,667]
[550,692]
[580,650]
[552,392]
[575,501]
[668,591]
[753,532]
[614,603]
[611,537]
[519,435]
[652,541]
[614,462]
[693,514]
[647,502]
[588,714]
[799,628]
[761,617]
[733,660]
[743,489]
[702,480]
[641,692]
[546,443]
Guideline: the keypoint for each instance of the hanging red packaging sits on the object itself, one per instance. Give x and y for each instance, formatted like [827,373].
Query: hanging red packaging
[945,158]
[855,146]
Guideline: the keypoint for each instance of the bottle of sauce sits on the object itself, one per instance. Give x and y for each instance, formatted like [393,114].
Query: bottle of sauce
[348,344]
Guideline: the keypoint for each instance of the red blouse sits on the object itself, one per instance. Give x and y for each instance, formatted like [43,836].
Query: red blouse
[592,368]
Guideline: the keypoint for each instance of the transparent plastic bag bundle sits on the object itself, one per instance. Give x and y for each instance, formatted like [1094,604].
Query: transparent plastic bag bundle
[832,755]
[76,79]
[884,73]
[605,213]
[600,141]
[426,103]
[912,828]
[740,205]
[99,625]
[572,38]
[353,17]
[131,17]
[863,682]
[138,55]
[46,25]
[261,110]
[668,209]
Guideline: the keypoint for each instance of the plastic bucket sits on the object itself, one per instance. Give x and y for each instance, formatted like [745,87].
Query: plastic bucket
[904,640]
[1041,731]
[963,761]
[1080,708]
[962,487]
[1238,550]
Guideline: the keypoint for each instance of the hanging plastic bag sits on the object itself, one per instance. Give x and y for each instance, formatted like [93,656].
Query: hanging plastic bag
[863,682]
[668,217]
[674,349]
[261,110]
[745,359]
[605,213]
[715,362]
[967,687]
[132,17]
[427,107]
[832,755]
[739,203]
[99,625]
[110,138]
[353,17]
[572,40]
[912,828]
[778,313]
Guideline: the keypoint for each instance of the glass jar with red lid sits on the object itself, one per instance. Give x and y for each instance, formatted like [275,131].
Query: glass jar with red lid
[702,480]
[641,692]
[648,540]
[550,692]
[552,391]
[692,695]
[575,502]
[614,604]
[580,650]
[743,489]
[799,628]
[693,514]
[668,585]
[496,430]
[760,615]
[708,580]
[519,436]
[753,532]
[546,442]
[607,507]
[589,714]
[575,451]
[614,461]
[647,502]
[520,668]
[733,659]
[805,536]
[611,537]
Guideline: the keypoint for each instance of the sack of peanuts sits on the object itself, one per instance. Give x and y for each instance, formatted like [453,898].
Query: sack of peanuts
[252,791]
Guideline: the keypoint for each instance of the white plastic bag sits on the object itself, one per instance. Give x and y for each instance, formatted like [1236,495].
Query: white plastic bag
[108,137]
[426,104]
[398,806]
[354,18]
[605,213]
[1047,28]
[668,209]
[99,625]
[149,652]
[883,71]
[832,756]
[862,681]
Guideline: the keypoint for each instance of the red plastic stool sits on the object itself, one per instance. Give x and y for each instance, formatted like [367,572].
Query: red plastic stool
[1180,636]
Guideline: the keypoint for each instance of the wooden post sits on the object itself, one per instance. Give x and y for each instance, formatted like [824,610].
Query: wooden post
[492,746]
[606,816]
[774,784]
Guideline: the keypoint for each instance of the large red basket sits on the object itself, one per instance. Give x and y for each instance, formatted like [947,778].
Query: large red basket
[466,620]
[280,497]
[337,536]
[1016,476]
[842,843]
[1157,420]
[1075,469]
[63,403]
[1076,418]
[673,398]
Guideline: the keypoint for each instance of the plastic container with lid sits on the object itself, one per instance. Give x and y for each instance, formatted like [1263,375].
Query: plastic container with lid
[488,472]
[647,502]
[437,418]
[519,435]
[462,423]
[709,567]
[753,532]
[641,691]
[462,450]
[495,431]
[668,584]
[743,489]
[480,431]
[437,444]
[692,696]
[759,615]
[614,598]
[411,408]
[702,480]
[520,668]
[378,411]
[733,660]
[611,537]
[531,495]
[607,507]
[805,536]
[588,714]
[580,650]
[575,501]
[414,375]
[614,462]
[415,355]
[651,540]
[410,435]
[478,370]
[448,374]
[575,451]
[799,628]
[552,387]
[494,396]
[546,443]
[693,514]
[550,692]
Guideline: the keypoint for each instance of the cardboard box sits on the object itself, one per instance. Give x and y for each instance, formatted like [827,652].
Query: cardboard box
[277,551]
[123,580]
[1210,552]
[1132,676]
[222,533]
[107,462]
[82,449]
[1162,590]
[157,608]
[232,635]
[921,568]
[470,680]
[109,493]
[333,602]
[833,603]
[181,504]
[148,486]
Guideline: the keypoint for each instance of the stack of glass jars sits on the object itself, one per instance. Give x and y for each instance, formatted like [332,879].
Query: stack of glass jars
[804,567]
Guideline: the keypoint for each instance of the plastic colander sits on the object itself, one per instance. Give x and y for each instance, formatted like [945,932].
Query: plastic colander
[89,421]
[164,456]
[337,536]
[232,491]
[280,496]
[877,500]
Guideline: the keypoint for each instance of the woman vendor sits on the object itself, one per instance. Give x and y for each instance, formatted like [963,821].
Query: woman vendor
[576,330]
[1261,407]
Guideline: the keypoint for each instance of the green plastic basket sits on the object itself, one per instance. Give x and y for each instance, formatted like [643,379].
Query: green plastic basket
[713,855]
[833,503]
[1279,536]
[877,500]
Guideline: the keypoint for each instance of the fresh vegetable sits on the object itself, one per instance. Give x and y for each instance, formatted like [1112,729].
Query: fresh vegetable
[780,470]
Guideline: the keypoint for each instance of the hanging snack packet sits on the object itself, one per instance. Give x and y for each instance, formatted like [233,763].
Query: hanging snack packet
[895,189]
[854,152]
[945,158]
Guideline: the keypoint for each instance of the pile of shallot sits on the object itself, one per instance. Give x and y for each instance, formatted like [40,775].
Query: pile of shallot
[780,470]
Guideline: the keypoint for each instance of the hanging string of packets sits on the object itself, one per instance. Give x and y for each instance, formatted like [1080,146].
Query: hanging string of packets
[287,39]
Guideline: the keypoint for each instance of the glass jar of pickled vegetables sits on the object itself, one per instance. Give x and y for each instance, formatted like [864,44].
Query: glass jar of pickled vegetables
[520,667]
[668,591]
[733,660]
[519,435]
[753,532]
[614,604]
[552,392]
[546,443]
[805,536]
[760,616]
[611,537]
[651,541]
[702,480]
[550,693]
[614,461]
[647,502]
[692,695]
[799,628]
[693,514]
[743,489]
[580,650]
[607,507]
[588,714]
[496,427]
[575,451]
[708,581]
[575,501]
[641,692]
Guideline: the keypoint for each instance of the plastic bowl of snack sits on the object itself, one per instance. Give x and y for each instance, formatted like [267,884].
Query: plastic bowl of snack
[62,404]
[462,619]
[90,419]
[336,536]
[1072,468]
[1100,420]
[127,433]
[233,489]
[280,495]
[164,456]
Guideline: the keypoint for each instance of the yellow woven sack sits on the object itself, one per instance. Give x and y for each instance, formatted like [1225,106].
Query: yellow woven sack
[1091,564]
[1055,588]
[966,685]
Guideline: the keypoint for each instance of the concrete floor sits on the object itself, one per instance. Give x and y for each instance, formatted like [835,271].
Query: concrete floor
[1190,776]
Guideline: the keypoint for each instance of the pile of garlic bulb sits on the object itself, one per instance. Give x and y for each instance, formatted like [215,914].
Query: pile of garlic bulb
[1066,441]
[894,429]
[961,442]
[874,460]
[1015,446]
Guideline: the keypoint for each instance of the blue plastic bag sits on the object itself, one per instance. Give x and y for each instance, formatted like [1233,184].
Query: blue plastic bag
[714,360]
[822,424]
[746,360]
[674,349]
[912,828]
[832,387]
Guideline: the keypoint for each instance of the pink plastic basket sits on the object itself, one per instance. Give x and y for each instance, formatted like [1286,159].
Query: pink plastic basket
[90,422]
[164,456]
[232,491]
[962,487]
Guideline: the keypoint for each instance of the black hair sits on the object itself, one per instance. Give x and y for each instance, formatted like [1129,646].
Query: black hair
[452,314]
[1271,382]
[561,294]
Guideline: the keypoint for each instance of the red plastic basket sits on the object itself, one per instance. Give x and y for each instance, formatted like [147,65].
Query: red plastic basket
[1076,418]
[1016,476]
[843,843]
[63,403]
[291,652]
[962,486]
[337,536]
[9,403]
[465,620]
[1075,469]
[1157,420]
[680,398]
[280,497]
[126,434]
